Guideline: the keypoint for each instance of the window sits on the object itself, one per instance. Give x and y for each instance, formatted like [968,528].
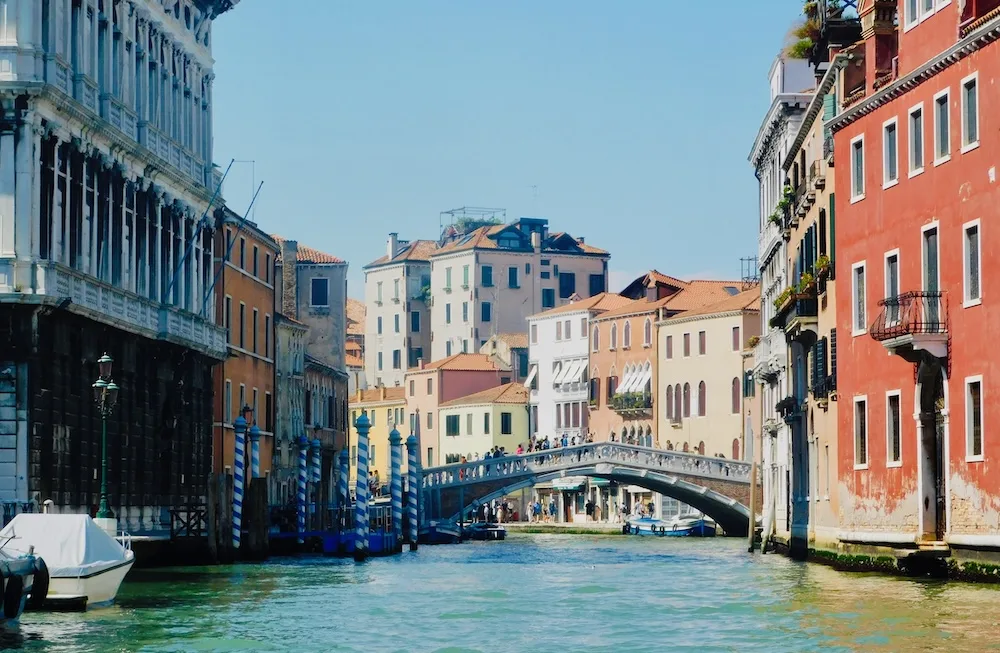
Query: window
[413,388]
[378,287]
[512,272]
[687,345]
[890,153]
[397,359]
[670,402]
[253,332]
[395,290]
[487,276]
[595,392]
[596,284]
[243,253]
[447,313]
[567,284]
[583,327]
[253,262]
[268,413]
[243,323]
[566,330]
[647,333]
[267,335]
[227,412]
[627,335]
[687,400]
[534,334]
[677,403]
[486,309]
[701,343]
[970,112]
[595,340]
[916,140]
[267,268]
[736,338]
[702,399]
[378,325]
[893,424]
[465,311]
[974,418]
[612,387]
[415,354]
[465,346]
[415,321]
[892,286]
[447,278]
[858,168]
[912,15]
[548,298]
[942,137]
[861,433]
[465,276]
[737,392]
[430,386]
[614,336]
[430,420]
[380,361]
[450,425]
[395,321]
[228,317]
[319,292]
[972,268]
[858,323]
[670,347]
[243,397]
[559,331]
[506,427]
[486,423]
[447,348]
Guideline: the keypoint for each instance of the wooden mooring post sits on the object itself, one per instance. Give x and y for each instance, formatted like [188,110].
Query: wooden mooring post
[220,518]
[255,544]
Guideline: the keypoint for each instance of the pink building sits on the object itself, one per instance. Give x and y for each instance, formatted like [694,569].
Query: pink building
[428,386]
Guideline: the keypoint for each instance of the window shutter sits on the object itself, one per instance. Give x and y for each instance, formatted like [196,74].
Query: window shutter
[833,359]
[831,227]
[829,110]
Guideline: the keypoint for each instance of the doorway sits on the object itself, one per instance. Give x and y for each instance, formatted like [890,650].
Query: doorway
[933,482]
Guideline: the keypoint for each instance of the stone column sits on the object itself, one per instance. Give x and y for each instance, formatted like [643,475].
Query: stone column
[127,235]
[22,187]
[36,188]
[25,70]
[7,176]
[57,206]
[156,261]
[86,215]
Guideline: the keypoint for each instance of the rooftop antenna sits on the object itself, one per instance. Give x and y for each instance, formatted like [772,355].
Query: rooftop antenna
[749,272]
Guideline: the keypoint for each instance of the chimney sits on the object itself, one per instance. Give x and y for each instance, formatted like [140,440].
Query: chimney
[581,240]
[536,241]
[381,393]
[420,363]
[289,283]
[391,246]
[651,293]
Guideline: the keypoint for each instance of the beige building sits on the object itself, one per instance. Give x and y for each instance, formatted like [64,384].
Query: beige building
[472,425]
[701,375]
[489,279]
[385,409]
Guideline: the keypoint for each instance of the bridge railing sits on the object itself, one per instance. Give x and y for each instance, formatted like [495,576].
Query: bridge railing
[672,462]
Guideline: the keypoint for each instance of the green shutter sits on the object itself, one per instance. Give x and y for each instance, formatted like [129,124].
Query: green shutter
[829,105]
[832,230]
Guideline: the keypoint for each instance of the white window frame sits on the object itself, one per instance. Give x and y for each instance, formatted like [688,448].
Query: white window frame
[911,19]
[885,281]
[966,301]
[969,457]
[974,77]
[855,331]
[854,433]
[855,195]
[913,172]
[886,182]
[945,158]
[923,254]
[888,442]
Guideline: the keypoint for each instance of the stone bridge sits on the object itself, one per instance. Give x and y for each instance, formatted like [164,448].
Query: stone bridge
[718,487]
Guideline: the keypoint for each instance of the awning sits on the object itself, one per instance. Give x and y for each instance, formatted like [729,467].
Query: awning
[644,378]
[626,383]
[531,376]
[599,482]
[576,373]
[561,374]
[568,483]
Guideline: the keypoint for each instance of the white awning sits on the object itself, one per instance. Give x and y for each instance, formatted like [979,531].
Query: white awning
[561,374]
[531,376]
[623,387]
[644,378]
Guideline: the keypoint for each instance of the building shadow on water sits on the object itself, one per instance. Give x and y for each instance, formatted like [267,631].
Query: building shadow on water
[12,639]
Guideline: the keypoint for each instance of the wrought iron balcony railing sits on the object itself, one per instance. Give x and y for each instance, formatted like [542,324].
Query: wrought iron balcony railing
[917,312]
[632,402]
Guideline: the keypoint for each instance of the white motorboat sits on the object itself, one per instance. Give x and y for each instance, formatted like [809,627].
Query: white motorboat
[86,565]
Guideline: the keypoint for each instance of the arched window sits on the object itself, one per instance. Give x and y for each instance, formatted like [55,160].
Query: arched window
[736,448]
[647,332]
[670,401]
[596,344]
[702,399]
[614,336]
[627,335]
[736,395]
[677,403]
[687,400]
[701,447]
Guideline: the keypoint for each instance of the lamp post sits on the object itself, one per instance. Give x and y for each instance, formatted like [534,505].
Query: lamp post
[105,396]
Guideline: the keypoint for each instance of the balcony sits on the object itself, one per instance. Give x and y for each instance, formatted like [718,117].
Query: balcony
[975,14]
[632,403]
[770,356]
[799,311]
[816,175]
[913,325]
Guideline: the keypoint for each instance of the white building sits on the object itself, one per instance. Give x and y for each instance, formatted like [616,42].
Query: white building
[559,364]
[397,322]
[790,82]
[489,279]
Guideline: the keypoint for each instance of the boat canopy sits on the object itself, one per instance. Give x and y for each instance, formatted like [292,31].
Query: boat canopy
[71,545]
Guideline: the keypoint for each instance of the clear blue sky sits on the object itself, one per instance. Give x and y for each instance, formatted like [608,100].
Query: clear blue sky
[633,121]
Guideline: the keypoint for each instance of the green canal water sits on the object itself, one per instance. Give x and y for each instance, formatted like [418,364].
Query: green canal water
[530,593]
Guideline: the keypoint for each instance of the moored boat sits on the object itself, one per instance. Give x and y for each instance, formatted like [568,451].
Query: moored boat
[24,580]
[86,566]
[439,533]
[682,526]
[485,531]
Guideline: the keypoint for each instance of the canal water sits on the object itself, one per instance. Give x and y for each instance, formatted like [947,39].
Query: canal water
[530,593]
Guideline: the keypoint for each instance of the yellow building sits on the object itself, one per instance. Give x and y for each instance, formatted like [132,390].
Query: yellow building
[385,409]
[472,425]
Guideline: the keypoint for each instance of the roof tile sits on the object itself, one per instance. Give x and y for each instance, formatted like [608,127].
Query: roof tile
[463,362]
[598,303]
[308,254]
[415,250]
[373,395]
[356,312]
[510,393]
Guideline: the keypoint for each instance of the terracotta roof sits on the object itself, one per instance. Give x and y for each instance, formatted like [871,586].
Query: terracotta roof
[634,307]
[701,293]
[659,277]
[480,239]
[353,360]
[352,346]
[373,395]
[308,254]
[464,362]
[514,340]
[355,317]
[748,300]
[414,250]
[510,393]
[598,303]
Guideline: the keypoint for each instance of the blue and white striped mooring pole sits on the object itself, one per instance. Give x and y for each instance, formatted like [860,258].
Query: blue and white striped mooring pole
[314,477]
[254,452]
[301,496]
[411,490]
[361,493]
[240,430]
[343,499]
[396,485]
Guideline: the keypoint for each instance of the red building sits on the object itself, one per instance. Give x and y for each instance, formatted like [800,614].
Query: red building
[916,145]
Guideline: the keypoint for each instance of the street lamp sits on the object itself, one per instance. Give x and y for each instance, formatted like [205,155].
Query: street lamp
[105,396]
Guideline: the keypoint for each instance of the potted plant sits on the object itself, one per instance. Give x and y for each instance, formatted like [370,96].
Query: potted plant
[783,298]
[806,282]
[753,341]
[775,218]
[822,266]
